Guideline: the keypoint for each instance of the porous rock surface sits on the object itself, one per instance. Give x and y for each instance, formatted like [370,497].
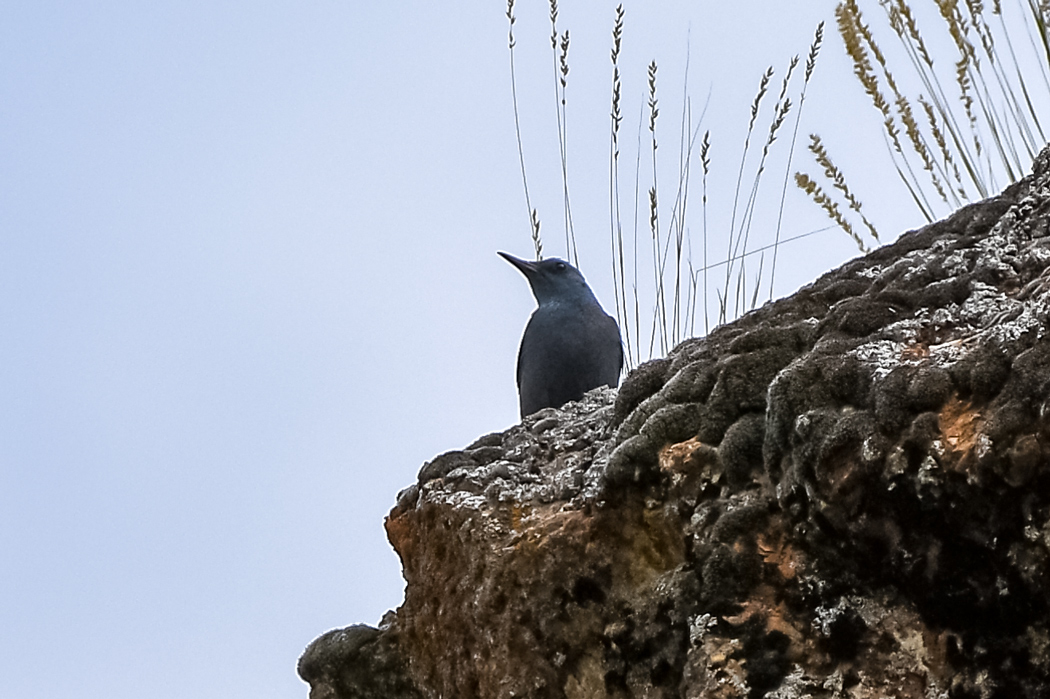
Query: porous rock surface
[843,494]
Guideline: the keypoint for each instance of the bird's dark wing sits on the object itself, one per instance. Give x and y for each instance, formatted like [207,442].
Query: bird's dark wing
[566,351]
[542,361]
[614,356]
[517,373]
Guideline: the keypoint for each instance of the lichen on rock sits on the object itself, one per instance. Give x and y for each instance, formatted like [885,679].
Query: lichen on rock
[845,493]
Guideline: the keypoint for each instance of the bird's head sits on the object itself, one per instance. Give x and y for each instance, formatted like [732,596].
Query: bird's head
[553,280]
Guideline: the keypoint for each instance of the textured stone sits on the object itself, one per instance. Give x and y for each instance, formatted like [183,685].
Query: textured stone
[845,493]
[358,661]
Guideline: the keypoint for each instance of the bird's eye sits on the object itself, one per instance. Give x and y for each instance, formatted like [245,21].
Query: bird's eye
[560,267]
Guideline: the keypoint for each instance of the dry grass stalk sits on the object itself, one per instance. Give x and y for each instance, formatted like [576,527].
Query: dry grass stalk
[811,188]
[902,21]
[615,222]
[677,228]
[563,60]
[561,77]
[990,128]
[659,308]
[908,24]
[948,162]
[782,108]
[811,64]
[705,162]
[1033,138]
[671,317]
[848,16]
[1002,112]
[534,221]
[832,172]
[734,238]
[653,111]
[966,141]
[537,242]
[911,127]
[1039,11]
[949,10]
[780,112]
[859,41]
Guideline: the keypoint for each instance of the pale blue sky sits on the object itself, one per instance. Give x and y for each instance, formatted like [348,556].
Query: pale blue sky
[248,285]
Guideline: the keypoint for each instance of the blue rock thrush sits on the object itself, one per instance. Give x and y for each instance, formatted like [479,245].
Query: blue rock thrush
[570,344]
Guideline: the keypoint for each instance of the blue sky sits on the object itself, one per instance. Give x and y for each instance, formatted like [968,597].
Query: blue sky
[248,285]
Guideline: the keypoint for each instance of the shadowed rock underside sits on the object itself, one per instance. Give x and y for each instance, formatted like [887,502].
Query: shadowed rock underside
[845,493]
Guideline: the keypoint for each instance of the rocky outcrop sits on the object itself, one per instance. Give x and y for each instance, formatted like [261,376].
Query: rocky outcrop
[845,493]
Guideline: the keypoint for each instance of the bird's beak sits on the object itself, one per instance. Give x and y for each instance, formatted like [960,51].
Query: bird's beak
[524,266]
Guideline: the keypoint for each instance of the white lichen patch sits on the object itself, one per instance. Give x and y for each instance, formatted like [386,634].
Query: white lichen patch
[881,356]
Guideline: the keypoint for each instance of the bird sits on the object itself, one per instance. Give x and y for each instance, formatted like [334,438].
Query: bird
[570,345]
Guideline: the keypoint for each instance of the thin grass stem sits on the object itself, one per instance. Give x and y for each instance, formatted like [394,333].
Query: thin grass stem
[534,221]
[811,63]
